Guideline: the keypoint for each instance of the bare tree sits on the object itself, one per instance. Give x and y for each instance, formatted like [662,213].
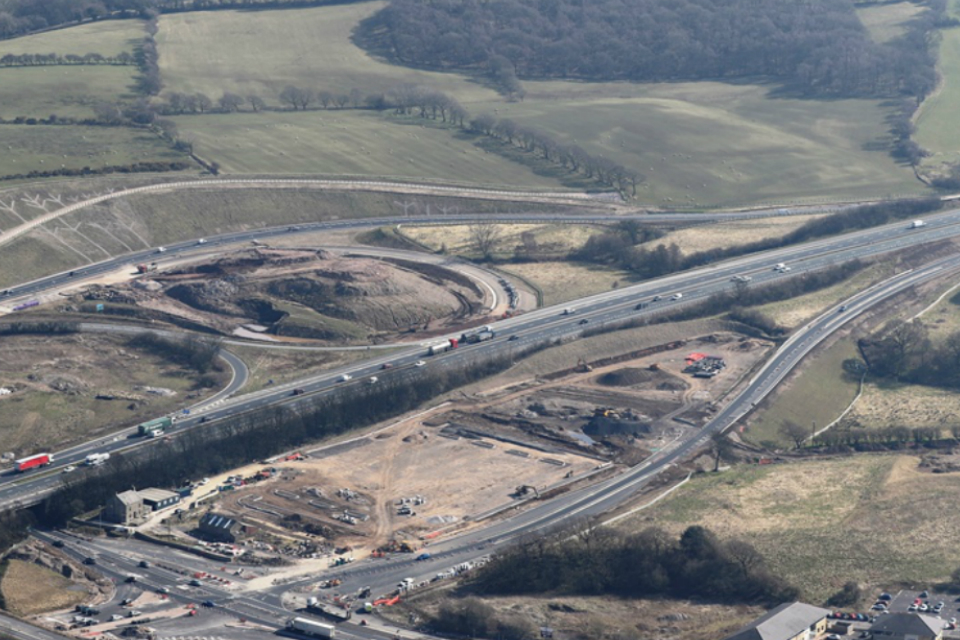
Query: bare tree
[230,102]
[296,97]
[795,432]
[325,98]
[342,100]
[203,102]
[256,103]
[722,450]
[485,237]
[356,98]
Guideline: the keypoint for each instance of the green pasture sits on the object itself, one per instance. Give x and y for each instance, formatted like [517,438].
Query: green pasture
[886,22]
[66,91]
[27,148]
[108,38]
[715,144]
[937,123]
[261,52]
[349,142]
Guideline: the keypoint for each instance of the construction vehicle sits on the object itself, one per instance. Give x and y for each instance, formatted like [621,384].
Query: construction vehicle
[311,628]
[524,489]
[146,268]
[32,462]
[583,366]
[335,611]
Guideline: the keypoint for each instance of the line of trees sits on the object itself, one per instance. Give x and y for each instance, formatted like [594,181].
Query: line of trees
[819,46]
[602,561]
[618,246]
[136,167]
[48,59]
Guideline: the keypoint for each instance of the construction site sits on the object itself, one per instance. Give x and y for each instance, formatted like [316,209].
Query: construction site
[270,294]
[472,457]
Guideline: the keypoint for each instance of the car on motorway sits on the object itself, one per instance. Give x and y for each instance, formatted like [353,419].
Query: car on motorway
[161,249]
[131,579]
[68,468]
[676,296]
[6,292]
[584,321]
[781,267]
[420,363]
[297,392]
[346,377]
[58,544]
[513,338]
[842,308]
[208,603]
[71,274]
[195,583]
[144,564]
[741,279]
[640,305]
[90,561]
[372,380]
[202,241]
[163,590]
[387,365]
[293,228]
[133,613]
[657,298]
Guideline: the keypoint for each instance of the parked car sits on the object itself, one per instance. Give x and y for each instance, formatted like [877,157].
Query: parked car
[196,583]
[885,596]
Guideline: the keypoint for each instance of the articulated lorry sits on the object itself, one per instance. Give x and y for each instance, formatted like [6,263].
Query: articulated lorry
[33,462]
[441,347]
[311,628]
[482,335]
[154,427]
[336,612]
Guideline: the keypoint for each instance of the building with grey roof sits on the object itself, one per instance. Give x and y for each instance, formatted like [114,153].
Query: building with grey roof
[789,621]
[125,508]
[907,626]
[219,527]
[156,499]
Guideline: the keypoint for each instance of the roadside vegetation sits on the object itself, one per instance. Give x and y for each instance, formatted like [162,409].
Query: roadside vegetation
[823,523]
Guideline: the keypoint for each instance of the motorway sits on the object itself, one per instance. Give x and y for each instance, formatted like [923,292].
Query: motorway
[518,334]
[382,575]
[528,331]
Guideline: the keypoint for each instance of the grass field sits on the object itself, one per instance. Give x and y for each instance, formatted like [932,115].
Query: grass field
[261,52]
[729,234]
[46,148]
[107,37]
[823,523]
[564,281]
[698,144]
[68,92]
[905,405]
[29,589]
[817,394]
[714,144]
[936,120]
[458,239]
[885,22]
[349,142]
[55,381]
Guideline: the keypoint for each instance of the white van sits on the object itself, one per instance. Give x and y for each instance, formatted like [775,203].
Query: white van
[916,224]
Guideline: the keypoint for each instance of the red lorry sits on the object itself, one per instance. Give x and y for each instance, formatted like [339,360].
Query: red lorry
[34,461]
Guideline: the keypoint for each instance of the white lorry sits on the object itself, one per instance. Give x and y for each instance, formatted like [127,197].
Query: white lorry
[916,224]
[96,459]
[312,628]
